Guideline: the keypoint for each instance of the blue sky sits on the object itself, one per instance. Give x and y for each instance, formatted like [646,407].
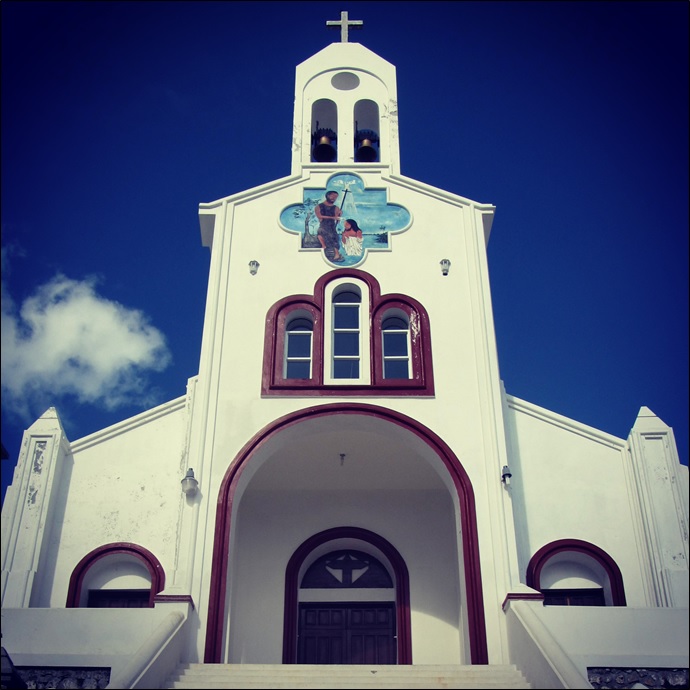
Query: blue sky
[120,118]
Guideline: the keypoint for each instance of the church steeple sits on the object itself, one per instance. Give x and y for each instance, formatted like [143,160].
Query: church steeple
[345,107]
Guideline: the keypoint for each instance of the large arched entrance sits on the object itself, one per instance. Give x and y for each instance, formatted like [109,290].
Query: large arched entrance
[344,464]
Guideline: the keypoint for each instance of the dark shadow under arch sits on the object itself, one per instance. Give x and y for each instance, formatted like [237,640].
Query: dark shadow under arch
[541,558]
[402,588]
[139,552]
[461,482]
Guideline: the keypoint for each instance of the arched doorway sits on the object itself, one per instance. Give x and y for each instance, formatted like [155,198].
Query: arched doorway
[364,628]
[403,453]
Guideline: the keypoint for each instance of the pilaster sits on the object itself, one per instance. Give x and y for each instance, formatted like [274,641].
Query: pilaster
[659,479]
[28,511]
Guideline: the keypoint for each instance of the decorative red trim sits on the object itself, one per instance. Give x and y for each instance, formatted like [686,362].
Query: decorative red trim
[525,596]
[541,557]
[402,588]
[461,482]
[274,341]
[149,560]
[419,334]
[184,598]
[422,381]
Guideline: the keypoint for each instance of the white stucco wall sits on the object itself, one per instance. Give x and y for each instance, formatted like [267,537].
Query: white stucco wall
[571,482]
[619,636]
[273,525]
[123,485]
[466,411]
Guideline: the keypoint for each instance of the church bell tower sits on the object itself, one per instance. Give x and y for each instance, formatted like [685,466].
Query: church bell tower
[346,107]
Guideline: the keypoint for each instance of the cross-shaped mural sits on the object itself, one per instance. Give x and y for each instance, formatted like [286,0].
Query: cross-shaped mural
[345,220]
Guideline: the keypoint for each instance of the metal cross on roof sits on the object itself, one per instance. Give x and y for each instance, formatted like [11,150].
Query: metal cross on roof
[344,25]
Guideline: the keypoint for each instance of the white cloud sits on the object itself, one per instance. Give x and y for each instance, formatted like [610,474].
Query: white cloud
[67,340]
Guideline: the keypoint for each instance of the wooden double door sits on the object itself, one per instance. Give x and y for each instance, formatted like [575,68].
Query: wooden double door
[347,633]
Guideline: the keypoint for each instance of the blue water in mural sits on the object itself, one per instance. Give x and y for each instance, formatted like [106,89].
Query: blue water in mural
[347,201]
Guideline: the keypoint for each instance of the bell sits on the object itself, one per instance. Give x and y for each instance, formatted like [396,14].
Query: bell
[366,153]
[366,146]
[324,151]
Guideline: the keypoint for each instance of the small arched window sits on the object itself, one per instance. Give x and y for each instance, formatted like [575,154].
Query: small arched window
[346,333]
[395,332]
[298,347]
[571,579]
[571,572]
[119,575]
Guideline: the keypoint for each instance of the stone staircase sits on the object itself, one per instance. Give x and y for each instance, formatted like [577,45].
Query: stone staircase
[356,677]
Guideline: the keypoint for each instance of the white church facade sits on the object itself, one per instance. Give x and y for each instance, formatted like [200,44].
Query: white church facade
[358,488]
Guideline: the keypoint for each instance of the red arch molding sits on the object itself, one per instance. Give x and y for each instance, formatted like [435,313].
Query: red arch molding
[150,561]
[402,588]
[461,482]
[541,557]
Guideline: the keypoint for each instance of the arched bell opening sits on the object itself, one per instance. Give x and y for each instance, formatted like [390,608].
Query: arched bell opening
[324,138]
[367,129]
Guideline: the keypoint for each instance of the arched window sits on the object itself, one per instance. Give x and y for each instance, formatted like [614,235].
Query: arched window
[347,356]
[345,569]
[347,333]
[362,342]
[570,572]
[120,575]
[298,346]
[395,334]
[400,326]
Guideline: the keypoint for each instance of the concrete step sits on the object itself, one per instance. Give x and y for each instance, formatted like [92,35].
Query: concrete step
[276,677]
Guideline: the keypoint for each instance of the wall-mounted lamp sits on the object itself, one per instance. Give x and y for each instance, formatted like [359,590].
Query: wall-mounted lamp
[506,474]
[189,483]
[445,266]
[253,266]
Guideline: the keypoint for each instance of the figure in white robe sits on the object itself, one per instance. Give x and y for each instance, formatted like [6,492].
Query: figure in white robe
[352,238]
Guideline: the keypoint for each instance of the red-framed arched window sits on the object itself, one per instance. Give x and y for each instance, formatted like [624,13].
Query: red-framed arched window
[576,573]
[106,560]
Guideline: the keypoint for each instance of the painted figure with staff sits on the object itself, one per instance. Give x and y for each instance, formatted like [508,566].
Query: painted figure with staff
[329,216]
